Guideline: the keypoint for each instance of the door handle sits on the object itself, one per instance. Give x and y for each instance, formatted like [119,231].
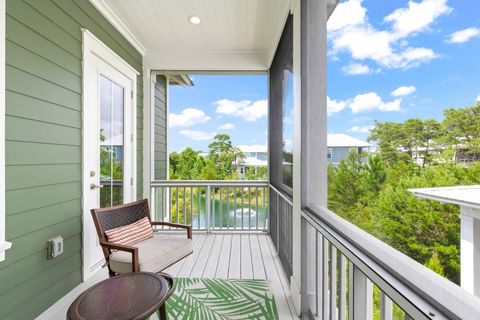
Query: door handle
[94,186]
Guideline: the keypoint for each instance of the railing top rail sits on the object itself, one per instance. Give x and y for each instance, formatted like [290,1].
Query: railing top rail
[429,292]
[204,183]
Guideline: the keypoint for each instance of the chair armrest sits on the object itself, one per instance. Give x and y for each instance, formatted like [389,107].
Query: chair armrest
[120,247]
[175,225]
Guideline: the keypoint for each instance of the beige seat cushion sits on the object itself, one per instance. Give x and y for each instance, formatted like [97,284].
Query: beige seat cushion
[154,254]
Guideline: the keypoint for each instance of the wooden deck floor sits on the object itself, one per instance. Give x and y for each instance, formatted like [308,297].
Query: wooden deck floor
[237,256]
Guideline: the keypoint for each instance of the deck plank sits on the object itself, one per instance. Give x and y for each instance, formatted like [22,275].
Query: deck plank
[275,281]
[234,270]
[213,259]
[246,269]
[224,259]
[257,259]
[187,266]
[199,266]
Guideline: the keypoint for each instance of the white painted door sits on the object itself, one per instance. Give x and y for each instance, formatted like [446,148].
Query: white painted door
[108,148]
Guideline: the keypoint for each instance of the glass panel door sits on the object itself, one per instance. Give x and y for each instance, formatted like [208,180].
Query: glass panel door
[111,142]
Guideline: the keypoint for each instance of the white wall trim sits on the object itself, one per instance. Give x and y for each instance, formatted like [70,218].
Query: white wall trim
[94,50]
[113,18]
[4,245]
[187,60]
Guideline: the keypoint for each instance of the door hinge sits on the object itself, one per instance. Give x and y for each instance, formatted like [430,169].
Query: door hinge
[131,181]
[131,138]
[131,94]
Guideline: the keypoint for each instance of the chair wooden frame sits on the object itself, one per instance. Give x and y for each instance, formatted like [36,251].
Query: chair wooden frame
[116,216]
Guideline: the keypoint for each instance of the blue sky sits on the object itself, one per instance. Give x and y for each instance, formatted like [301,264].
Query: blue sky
[388,61]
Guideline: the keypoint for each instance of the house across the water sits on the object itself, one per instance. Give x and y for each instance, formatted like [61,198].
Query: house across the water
[340,145]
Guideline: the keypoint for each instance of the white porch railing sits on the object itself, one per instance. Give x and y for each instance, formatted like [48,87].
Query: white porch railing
[212,205]
[349,274]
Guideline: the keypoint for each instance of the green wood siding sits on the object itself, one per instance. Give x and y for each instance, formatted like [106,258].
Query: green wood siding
[44,146]
[160,129]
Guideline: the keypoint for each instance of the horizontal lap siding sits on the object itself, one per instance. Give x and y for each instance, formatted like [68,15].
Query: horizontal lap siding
[160,129]
[44,146]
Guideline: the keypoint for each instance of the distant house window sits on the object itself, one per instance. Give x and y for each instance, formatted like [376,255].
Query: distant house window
[262,156]
[329,153]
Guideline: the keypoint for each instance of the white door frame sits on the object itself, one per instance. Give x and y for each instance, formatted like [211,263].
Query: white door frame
[93,51]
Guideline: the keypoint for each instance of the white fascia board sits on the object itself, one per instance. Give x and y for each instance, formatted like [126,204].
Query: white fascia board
[115,20]
[190,60]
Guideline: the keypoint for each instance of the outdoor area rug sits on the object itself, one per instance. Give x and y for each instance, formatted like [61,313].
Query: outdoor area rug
[205,299]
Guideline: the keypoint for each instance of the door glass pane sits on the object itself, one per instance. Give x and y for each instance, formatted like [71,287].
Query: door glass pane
[111,142]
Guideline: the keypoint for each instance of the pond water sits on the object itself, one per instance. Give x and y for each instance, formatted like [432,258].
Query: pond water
[224,214]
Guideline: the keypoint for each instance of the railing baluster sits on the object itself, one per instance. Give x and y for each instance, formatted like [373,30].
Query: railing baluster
[362,296]
[170,213]
[386,307]
[235,207]
[266,211]
[325,272]
[256,208]
[319,272]
[221,207]
[184,205]
[333,282]
[191,206]
[228,208]
[342,283]
[177,203]
[214,205]
[350,290]
[207,209]
[243,203]
[249,209]
[199,213]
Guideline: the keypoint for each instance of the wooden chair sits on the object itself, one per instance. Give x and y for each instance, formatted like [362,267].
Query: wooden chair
[151,255]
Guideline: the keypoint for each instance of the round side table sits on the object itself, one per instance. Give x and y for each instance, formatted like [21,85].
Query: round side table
[130,296]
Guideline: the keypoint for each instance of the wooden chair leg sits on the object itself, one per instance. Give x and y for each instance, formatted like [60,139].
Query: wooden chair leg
[163,312]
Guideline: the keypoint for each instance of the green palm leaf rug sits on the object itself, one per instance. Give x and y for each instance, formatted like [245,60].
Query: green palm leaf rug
[205,299]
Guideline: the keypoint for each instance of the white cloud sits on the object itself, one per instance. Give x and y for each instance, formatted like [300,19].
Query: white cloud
[478,98]
[348,13]
[187,118]
[197,135]
[403,91]
[464,35]
[388,48]
[248,110]
[361,129]
[334,106]
[227,126]
[356,69]
[417,17]
[372,101]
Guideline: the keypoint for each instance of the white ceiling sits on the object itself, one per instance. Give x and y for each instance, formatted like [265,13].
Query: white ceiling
[246,30]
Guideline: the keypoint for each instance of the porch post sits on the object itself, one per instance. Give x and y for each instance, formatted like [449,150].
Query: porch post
[312,122]
[148,115]
[469,249]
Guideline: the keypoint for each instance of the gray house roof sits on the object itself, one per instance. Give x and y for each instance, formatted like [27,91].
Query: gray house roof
[343,140]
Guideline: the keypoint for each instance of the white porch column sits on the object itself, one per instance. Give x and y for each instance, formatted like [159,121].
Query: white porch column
[310,147]
[470,249]
[148,102]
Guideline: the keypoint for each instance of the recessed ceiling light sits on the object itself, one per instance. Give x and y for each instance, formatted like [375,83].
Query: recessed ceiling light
[194,19]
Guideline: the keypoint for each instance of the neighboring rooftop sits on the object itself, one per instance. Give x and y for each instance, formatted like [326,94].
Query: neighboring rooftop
[343,140]
[468,196]
[253,148]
